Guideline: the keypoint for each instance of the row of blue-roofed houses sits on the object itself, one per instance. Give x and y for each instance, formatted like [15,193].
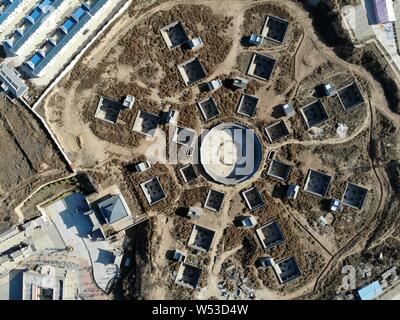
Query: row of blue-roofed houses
[55,45]
[9,9]
[31,26]
[38,22]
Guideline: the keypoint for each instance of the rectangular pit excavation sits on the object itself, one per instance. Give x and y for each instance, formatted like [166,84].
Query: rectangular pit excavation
[188,173]
[192,71]
[287,270]
[108,110]
[214,200]
[317,183]
[247,105]
[277,131]
[350,96]
[354,196]
[261,67]
[314,113]
[279,170]
[275,29]
[153,190]
[174,35]
[146,123]
[270,235]
[208,108]
[254,199]
[188,276]
[184,136]
[201,238]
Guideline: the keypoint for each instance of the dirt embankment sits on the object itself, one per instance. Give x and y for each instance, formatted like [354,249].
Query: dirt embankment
[136,278]
[370,58]
[28,158]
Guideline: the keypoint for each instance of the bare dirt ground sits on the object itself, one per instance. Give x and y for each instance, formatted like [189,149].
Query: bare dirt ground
[28,159]
[132,58]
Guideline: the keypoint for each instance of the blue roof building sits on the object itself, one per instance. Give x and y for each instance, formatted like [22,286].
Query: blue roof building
[30,25]
[371,291]
[112,209]
[63,35]
[384,11]
[7,7]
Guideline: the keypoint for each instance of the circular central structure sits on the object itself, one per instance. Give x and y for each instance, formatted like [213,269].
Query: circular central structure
[231,153]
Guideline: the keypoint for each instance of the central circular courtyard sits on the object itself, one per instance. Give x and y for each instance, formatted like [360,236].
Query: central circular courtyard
[230,153]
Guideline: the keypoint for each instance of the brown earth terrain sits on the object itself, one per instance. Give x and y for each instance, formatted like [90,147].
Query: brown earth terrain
[132,58]
[27,160]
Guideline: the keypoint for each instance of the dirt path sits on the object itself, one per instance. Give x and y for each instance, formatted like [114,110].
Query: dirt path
[379,102]
[84,148]
[213,273]
[124,24]
[230,61]
[217,266]
[91,150]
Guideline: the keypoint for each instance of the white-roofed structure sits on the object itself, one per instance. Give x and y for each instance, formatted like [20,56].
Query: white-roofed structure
[256,39]
[214,84]
[231,153]
[195,43]
[11,82]
[48,283]
[129,102]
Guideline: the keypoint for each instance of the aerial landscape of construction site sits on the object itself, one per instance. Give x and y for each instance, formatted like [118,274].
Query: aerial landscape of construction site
[193,150]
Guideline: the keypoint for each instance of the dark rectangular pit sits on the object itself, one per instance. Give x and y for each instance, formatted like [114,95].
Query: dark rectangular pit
[153,190]
[279,170]
[314,113]
[184,136]
[247,105]
[188,276]
[192,71]
[174,35]
[275,29]
[317,183]
[214,200]
[350,96]
[261,67]
[208,108]
[188,173]
[277,131]
[146,123]
[201,238]
[354,196]
[270,235]
[253,198]
[289,270]
[108,110]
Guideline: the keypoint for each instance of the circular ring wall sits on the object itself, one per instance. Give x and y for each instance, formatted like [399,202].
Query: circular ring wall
[230,153]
